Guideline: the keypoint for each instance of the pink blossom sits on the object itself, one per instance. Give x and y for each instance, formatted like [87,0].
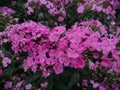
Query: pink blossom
[108,10]
[116,67]
[28,86]
[54,37]
[63,43]
[4,64]
[79,63]
[116,3]
[60,19]
[19,84]
[116,56]
[34,68]
[8,85]
[106,63]
[85,82]
[95,55]
[99,8]
[46,73]
[6,61]
[59,29]
[44,85]
[72,53]
[95,85]
[7,12]
[92,66]
[58,68]
[80,9]
[43,2]
[30,11]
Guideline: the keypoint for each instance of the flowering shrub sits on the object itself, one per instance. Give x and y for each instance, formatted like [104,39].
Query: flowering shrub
[60,45]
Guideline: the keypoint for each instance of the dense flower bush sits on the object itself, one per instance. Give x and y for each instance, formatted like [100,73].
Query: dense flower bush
[59,45]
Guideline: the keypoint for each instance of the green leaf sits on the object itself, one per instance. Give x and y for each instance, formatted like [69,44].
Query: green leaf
[9,71]
[60,86]
[33,77]
[74,79]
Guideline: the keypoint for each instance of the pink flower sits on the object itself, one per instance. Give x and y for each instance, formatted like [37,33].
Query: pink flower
[72,53]
[95,85]
[107,63]
[19,84]
[116,3]
[6,12]
[6,61]
[95,55]
[79,63]
[60,19]
[43,2]
[34,67]
[4,64]
[107,10]
[80,9]
[59,29]
[63,59]
[54,37]
[99,8]
[30,10]
[116,67]
[58,68]
[8,85]
[28,86]
[85,82]
[18,58]
[63,43]
[44,85]
[92,65]
[46,73]
[116,56]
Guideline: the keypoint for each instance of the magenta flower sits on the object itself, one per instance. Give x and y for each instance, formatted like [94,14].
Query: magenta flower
[85,82]
[6,61]
[8,85]
[107,63]
[59,29]
[30,10]
[54,37]
[6,12]
[44,85]
[80,9]
[58,68]
[107,10]
[79,63]
[60,19]
[46,73]
[28,86]
[72,53]
[116,67]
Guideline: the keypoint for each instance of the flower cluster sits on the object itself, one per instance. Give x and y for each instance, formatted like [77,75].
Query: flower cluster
[58,47]
[6,12]
[55,7]
[58,7]
[5,60]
